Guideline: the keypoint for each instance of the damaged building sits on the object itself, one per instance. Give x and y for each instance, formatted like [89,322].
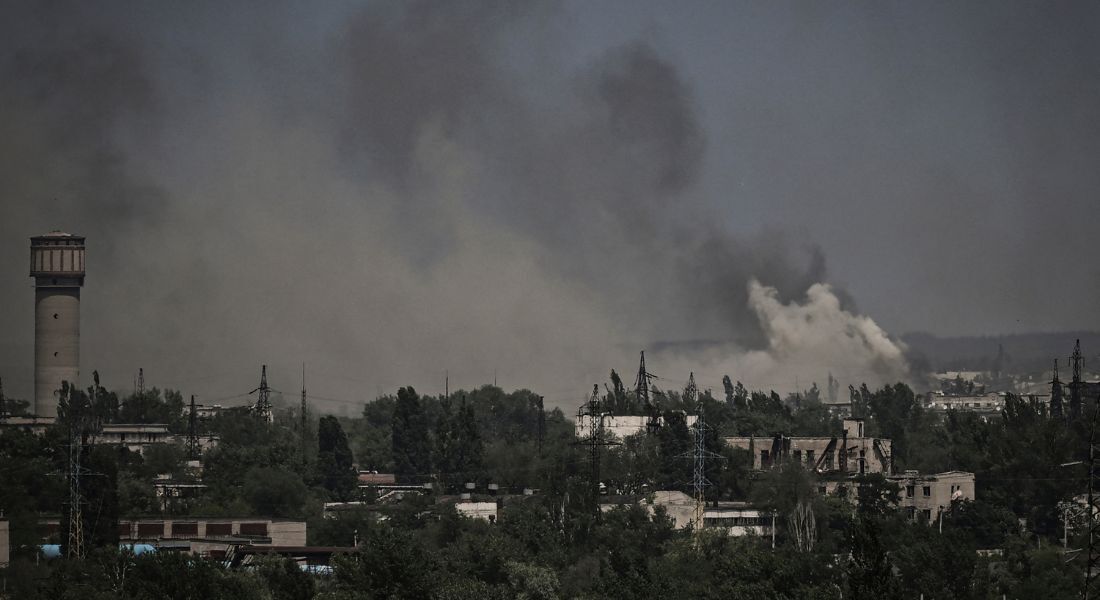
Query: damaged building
[851,452]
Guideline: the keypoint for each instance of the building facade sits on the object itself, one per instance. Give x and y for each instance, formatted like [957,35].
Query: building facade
[5,543]
[623,426]
[924,497]
[852,452]
[735,518]
[211,537]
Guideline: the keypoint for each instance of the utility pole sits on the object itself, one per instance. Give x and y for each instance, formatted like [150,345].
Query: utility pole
[1075,383]
[2,405]
[192,432]
[541,423]
[263,399]
[1056,405]
[303,414]
[1093,561]
[641,392]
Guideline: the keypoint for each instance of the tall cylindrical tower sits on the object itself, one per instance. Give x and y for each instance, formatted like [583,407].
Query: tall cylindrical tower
[57,265]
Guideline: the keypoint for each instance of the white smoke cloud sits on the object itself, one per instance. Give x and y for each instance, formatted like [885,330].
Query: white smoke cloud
[806,341]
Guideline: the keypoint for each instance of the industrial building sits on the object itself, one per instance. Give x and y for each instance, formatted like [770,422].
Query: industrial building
[136,437]
[987,405]
[852,452]
[921,497]
[623,426]
[205,536]
[736,518]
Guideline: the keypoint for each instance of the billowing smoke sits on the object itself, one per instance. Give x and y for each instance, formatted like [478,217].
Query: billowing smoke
[820,335]
[386,194]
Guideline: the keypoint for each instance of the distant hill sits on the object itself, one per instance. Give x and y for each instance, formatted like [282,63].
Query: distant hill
[1024,352]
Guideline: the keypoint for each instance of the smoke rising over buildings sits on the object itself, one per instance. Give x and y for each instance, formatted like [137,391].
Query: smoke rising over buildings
[387,191]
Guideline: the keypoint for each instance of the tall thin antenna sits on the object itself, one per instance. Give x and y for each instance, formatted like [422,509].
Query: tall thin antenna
[1056,408]
[1075,384]
[541,423]
[303,415]
[192,432]
[2,404]
[446,384]
[141,381]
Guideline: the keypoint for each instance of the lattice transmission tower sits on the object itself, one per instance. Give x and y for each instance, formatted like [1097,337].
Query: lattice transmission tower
[75,539]
[262,408]
[641,392]
[591,413]
[699,481]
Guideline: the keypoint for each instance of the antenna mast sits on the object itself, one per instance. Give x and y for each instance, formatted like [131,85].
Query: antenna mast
[1056,408]
[1075,383]
[303,415]
[541,423]
[192,433]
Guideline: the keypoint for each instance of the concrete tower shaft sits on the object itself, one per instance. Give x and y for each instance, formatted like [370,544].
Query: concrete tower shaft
[57,265]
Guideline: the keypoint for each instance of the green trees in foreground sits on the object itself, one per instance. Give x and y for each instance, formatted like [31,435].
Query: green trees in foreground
[630,553]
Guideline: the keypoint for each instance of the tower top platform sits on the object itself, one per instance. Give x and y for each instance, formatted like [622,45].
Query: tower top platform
[57,259]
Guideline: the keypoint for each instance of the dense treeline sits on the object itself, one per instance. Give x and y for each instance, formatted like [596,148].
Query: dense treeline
[549,544]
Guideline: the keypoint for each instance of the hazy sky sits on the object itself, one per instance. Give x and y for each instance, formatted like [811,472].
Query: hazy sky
[387,191]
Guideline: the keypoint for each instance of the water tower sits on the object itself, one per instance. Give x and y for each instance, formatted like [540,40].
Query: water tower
[57,265]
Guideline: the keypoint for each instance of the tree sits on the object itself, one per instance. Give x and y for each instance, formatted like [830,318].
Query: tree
[412,450]
[740,396]
[150,407]
[285,581]
[446,459]
[727,387]
[335,463]
[803,526]
[470,447]
[392,564]
[274,492]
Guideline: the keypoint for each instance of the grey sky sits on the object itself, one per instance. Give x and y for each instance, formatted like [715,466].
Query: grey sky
[387,191]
